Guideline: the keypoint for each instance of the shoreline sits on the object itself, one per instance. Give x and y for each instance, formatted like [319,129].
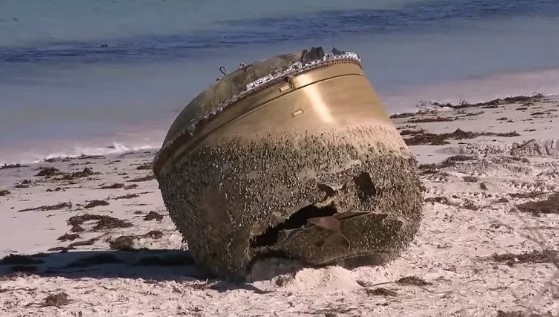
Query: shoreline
[490,173]
[124,146]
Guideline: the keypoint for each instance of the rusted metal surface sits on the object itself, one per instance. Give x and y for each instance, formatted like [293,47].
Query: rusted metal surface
[292,156]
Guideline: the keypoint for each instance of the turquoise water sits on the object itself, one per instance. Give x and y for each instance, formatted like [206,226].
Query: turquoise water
[78,75]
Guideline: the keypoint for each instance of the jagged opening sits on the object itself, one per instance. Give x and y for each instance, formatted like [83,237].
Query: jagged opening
[365,187]
[296,220]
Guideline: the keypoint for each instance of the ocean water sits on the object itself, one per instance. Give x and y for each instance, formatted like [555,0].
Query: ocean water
[82,76]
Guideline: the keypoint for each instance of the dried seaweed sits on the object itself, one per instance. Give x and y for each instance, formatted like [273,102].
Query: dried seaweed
[8,166]
[95,203]
[413,280]
[152,215]
[127,196]
[48,171]
[442,139]
[75,175]
[57,300]
[123,243]
[510,259]
[146,166]
[381,291]
[103,222]
[68,237]
[142,179]
[49,207]
[426,120]
[113,186]
[546,206]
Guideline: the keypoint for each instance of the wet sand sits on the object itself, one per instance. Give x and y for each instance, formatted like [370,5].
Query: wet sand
[102,243]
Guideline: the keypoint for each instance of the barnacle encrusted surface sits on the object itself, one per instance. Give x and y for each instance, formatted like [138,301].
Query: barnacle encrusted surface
[347,193]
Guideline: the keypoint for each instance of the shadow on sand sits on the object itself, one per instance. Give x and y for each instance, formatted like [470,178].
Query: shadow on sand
[150,265]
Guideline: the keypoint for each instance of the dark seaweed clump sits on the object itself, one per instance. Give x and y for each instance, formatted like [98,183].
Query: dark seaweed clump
[510,259]
[57,300]
[95,203]
[423,138]
[103,222]
[546,206]
[49,207]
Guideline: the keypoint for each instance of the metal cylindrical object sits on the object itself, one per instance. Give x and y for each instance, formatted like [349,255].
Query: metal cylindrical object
[291,157]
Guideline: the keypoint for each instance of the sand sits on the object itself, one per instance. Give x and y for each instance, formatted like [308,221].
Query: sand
[476,253]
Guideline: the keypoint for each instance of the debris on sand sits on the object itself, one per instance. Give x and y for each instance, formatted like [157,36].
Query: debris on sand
[524,100]
[57,189]
[413,280]
[471,114]
[423,138]
[440,200]
[73,245]
[95,203]
[530,195]
[58,159]
[48,171]
[131,186]
[470,179]
[152,215]
[123,243]
[24,184]
[381,291]
[82,243]
[452,160]
[402,115]
[75,175]
[146,166]
[103,222]
[68,237]
[411,132]
[142,179]
[4,192]
[57,300]
[77,228]
[545,256]
[520,313]
[127,196]
[153,234]
[113,186]
[90,157]
[546,206]
[435,119]
[50,207]
[126,243]
[8,166]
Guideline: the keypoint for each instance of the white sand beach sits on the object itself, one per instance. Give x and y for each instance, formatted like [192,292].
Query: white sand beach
[90,236]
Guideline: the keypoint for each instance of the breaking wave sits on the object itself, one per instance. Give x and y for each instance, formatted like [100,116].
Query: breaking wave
[114,148]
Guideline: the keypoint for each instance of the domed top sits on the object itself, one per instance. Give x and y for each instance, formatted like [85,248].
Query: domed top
[226,88]
[247,79]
